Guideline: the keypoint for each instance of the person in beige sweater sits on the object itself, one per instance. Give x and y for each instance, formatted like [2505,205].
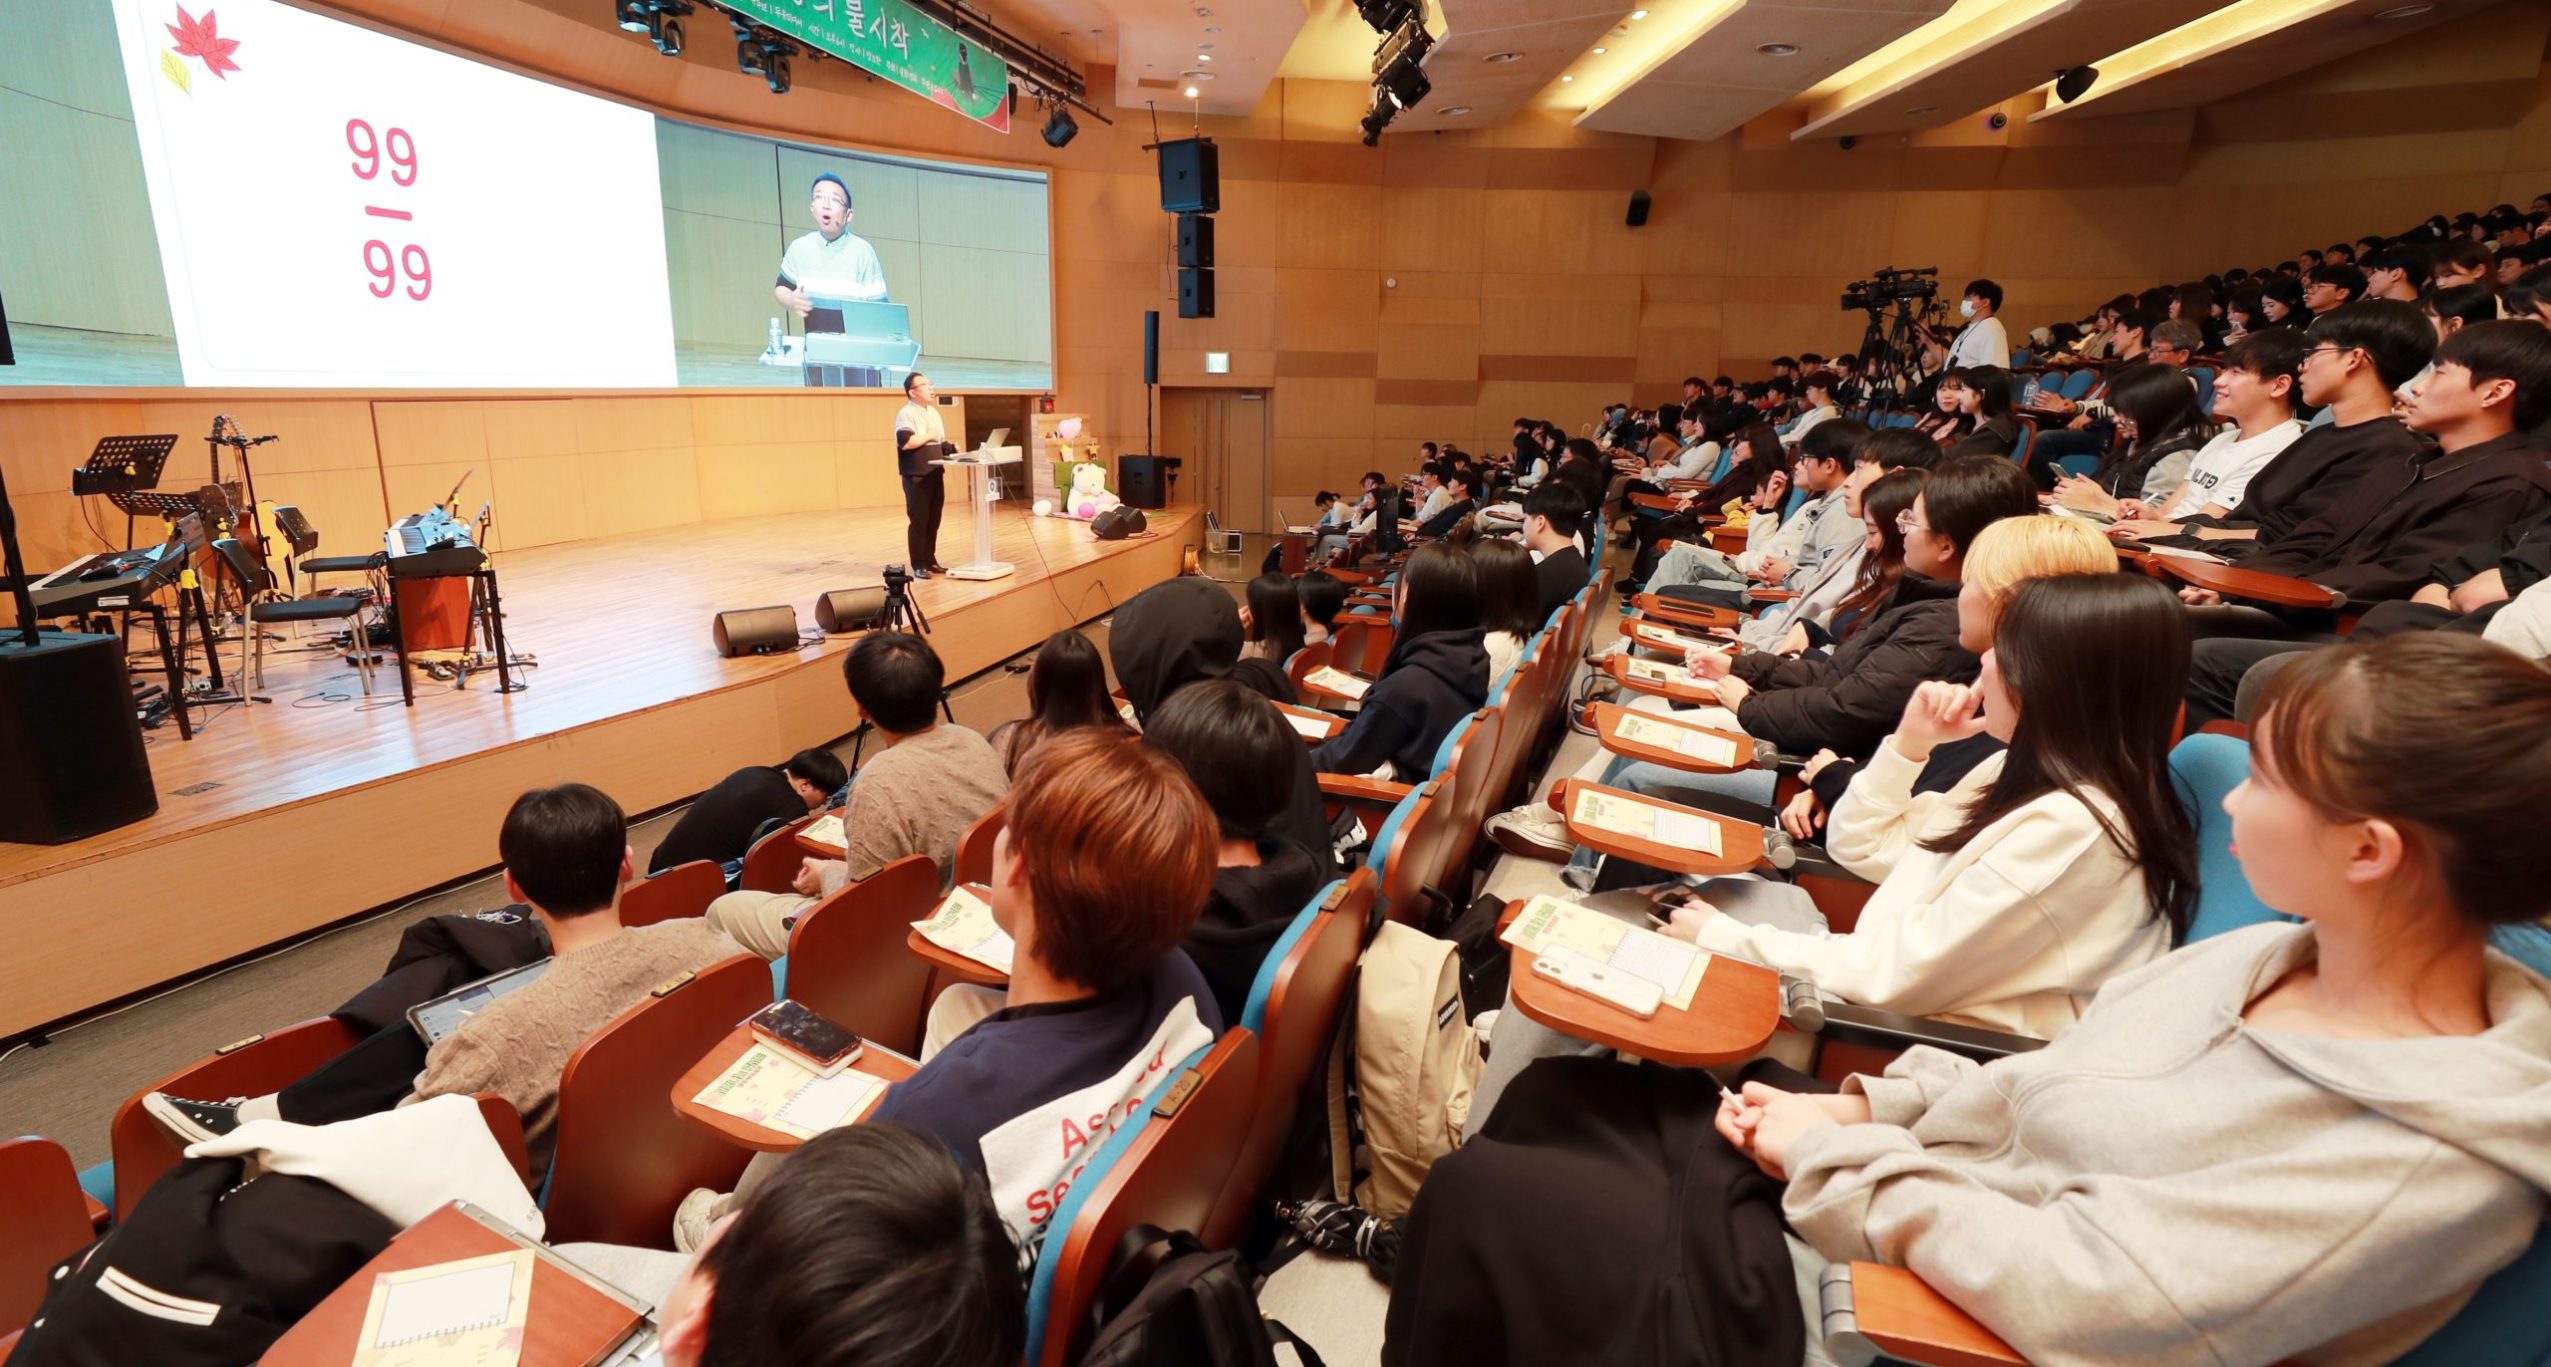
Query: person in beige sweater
[2291,1141]
[566,852]
[932,780]
[2049,868]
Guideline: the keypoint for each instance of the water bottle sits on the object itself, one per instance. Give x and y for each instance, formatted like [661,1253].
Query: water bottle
[776,336]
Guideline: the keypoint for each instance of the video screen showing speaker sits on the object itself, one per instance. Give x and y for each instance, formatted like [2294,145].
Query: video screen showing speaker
[250,194]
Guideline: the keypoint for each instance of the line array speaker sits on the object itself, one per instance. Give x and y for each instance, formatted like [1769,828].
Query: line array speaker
[1151,346]
[1190,177]
[1638,209]
[755,631]
[1195,240]
[1195,292]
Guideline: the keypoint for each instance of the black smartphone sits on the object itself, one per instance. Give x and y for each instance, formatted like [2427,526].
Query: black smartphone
[798,1030]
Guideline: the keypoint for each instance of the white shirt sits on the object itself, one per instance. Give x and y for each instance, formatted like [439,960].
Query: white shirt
[1435,501]
[1808,422]
[845,267]
[1689,462]
[922,419]
[2015,931]
[2223,468]
[1983,342]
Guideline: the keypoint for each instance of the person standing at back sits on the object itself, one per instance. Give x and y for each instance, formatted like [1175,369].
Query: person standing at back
[932,780]
[921,438]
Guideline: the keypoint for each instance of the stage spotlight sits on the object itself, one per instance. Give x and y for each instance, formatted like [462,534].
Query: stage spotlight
[2074,82]
[667,34]
[632,15]
[1404,80]
[1385,15]
[1059,127]
[755,56]
[1378,118]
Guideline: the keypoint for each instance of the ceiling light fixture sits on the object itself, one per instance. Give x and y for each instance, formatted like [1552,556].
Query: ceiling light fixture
[2404,11]
[1921,109]
[1191,92]
[1567,80]
[1778,49]
[1455,111]
[1638,14]
[1503,57]
[1601,50]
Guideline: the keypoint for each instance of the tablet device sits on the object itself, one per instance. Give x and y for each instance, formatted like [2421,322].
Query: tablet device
[435,1020]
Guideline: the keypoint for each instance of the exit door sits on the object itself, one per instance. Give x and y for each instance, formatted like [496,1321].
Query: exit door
[1223,433]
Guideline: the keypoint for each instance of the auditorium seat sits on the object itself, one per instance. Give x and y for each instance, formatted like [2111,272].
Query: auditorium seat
[1293,1010]
[1467,765]
[848,959]
[771,864]
[1167,1172]
[681,891]
[43,1220]
[505,1126]
[624,1158]
[142,1149]
[974,848]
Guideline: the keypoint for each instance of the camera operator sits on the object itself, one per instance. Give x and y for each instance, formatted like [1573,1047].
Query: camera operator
[1983,341]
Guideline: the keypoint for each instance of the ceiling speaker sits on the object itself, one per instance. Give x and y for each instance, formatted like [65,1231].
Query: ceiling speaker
[2074,82]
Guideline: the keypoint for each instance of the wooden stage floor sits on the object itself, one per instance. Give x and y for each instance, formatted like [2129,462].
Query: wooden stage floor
[283,817]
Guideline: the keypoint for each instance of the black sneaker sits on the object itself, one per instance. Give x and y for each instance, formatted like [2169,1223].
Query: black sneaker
[921,571]
[193,1121]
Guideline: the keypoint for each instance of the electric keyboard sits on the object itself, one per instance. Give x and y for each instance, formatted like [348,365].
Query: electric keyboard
[430,544]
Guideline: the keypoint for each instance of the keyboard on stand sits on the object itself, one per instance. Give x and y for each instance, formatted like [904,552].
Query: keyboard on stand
[430,544]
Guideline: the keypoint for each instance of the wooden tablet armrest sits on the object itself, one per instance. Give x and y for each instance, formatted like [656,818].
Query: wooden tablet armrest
[1871,1309]
[1689,486]
[1357,788]
[1869,1025]
[1769,595]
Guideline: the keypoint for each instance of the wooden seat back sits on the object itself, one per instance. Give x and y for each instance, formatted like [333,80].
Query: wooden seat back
[624,1158]
[1170,1174]
[772,864]
[42,1221]
[1469,773]
[1293,1010]
[255,1066]
[847,957]
[1414,861]
[974,848]
[680,891]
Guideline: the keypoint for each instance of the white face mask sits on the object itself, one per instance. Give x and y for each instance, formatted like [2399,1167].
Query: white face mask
[1966,308]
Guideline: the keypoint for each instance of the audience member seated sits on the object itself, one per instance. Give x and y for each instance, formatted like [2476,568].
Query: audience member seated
[1098,874]
[2159,429]
[1950,420]
[1984,398]
[2304,1116]
[1837,605]
[930,781]
[2050,867]
[1816,701]
[2397,521]
[2331,286]
[1458,504]
[1435,675]
[2254,393]
[1066,688]
[720,824]
[1229,739]
[1323,597]
[1553,518]
[1272,620]
[1821,528]
[566,853]
[1509,594]
[1754,454]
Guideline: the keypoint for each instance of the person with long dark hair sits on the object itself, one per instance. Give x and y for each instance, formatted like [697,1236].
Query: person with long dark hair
[2067,861]
[1272,617]
[1882,507]
[1435,675]
[1509,602]
[2333,1127]
[1948,422]
[1066,688]
[2160,429]
[1985,400]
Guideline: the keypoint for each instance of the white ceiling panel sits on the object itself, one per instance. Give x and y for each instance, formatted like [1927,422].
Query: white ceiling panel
[1722,78]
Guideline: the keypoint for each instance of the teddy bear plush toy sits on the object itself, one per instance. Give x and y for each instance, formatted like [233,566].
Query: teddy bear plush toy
[1088,497]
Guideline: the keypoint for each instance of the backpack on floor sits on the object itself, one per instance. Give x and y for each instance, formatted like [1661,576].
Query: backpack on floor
[1170,1302]
[1399,1095]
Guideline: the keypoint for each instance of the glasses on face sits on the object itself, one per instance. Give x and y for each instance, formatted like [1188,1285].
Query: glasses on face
[2331,350]
[1906,525]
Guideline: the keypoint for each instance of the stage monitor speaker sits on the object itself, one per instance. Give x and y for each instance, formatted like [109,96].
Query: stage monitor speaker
[1638,209]
[1143,481]
[1190,177]
[1195,239]
[755,631]
[1195,292]
[851,609]
[1151,346]
[1119,522]
[71,757]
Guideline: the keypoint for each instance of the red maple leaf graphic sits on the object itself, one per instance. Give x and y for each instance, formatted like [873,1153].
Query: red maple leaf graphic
[200,39]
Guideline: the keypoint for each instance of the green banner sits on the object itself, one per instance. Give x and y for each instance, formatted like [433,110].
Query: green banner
[893,39]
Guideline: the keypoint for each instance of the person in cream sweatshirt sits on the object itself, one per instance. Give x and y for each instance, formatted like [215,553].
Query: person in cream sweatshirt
[2009,899]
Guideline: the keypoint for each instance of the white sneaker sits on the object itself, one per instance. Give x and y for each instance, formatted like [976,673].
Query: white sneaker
[694,1218]
[1533,831]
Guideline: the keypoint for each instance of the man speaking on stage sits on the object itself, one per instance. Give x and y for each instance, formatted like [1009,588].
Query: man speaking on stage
[920,438]
[831,261]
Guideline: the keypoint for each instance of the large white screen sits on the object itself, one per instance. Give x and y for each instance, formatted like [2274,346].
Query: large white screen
[527,217]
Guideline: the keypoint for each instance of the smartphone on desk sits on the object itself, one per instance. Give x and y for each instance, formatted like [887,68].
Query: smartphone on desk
[806,1035]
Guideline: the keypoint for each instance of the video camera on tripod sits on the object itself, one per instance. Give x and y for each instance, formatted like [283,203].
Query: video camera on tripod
[1887,285]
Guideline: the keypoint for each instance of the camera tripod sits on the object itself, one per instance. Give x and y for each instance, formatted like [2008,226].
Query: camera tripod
[900,612]
[1890,353]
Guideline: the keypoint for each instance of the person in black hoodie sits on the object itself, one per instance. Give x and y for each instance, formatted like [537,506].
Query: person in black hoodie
[1187,631]
[1435,675]
[1229,739]
[1459,487]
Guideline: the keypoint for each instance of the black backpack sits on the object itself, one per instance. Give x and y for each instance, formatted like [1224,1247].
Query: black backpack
[1171,1302]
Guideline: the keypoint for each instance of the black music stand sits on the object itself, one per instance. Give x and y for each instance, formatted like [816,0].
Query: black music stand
[124,465]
